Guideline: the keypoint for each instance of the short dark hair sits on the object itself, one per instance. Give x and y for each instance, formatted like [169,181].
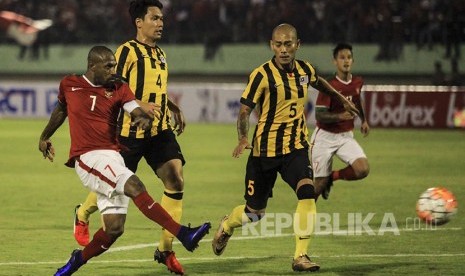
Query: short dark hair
[341,46]
[97,52]
[138,8]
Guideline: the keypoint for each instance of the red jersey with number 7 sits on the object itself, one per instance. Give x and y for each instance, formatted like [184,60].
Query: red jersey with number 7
[352,91]
[92,114]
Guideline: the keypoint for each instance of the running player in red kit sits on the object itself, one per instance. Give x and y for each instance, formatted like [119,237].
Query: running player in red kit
[333,134]
[92,103]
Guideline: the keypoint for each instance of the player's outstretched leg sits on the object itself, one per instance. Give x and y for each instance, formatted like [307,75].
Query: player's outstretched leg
[189,237]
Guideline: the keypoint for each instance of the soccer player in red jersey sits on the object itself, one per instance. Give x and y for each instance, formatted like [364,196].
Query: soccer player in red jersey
[92,103]
[333,134]
[143,64]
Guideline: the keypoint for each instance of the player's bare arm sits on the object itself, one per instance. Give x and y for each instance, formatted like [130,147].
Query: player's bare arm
[57,118]
[364,128]
[323,86]
[178,117]
[242,131]
[322,114]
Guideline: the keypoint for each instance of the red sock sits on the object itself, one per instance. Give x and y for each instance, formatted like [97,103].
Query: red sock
[156,213]
[99,244]
[347,173]
[335,175]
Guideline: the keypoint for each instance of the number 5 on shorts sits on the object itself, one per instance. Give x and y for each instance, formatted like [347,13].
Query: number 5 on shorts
[250,188]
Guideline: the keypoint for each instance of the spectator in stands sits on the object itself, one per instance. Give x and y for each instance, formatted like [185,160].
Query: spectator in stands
[439,77]
[454,77]
[423,22]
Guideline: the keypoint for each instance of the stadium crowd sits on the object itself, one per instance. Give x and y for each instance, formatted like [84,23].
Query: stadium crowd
[389,23]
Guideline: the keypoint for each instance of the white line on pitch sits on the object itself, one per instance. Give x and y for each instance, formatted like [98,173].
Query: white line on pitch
[138,246]
[321,233]
[244,257]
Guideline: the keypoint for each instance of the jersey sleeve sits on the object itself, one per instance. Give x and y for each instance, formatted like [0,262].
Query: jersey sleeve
[61,92]
[254,89]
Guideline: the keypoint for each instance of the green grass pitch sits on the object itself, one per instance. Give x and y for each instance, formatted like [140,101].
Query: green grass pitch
[37,199]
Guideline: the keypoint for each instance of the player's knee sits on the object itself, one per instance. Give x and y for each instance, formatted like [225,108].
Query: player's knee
[133,186]
[114,231]
[364,173]
[306,191]
[361,168]
[175,183]
[254,215]
[172,179]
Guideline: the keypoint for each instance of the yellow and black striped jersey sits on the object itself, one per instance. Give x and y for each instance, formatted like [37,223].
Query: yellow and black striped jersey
[145,69]
[280,100]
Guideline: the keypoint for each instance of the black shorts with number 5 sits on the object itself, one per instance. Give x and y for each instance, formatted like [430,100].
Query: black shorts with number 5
[261,173]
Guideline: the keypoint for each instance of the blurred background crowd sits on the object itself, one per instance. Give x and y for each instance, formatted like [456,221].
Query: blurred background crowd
[389,23]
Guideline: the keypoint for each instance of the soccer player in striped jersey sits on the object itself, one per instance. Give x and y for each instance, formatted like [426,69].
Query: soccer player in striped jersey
[333,135]
[278,90]
[92,103]
[143,65]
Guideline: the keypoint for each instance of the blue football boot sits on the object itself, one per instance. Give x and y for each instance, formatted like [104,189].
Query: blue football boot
[190,237]
[74,263]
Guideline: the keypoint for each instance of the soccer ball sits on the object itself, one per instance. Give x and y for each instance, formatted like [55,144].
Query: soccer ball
[436,206]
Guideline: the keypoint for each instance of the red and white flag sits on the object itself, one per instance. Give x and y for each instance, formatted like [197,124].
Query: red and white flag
[21,28]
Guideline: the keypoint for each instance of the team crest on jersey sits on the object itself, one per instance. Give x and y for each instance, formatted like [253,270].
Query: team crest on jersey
[303,80]
[108,94]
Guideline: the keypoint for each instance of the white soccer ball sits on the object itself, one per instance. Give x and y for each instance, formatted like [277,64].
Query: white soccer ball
[436,206]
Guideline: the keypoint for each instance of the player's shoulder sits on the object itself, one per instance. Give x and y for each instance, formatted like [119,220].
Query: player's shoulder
[358,80]
[160,50]
[72,79]
[306,66]
[128,46]
[73,82]
[264,65]
[331,78]
[303,62]
[127,43]
[121,85]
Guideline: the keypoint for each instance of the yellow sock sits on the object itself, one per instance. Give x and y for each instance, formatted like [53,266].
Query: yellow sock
[236,219]
[172,202]
[88,207]
[304,224]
